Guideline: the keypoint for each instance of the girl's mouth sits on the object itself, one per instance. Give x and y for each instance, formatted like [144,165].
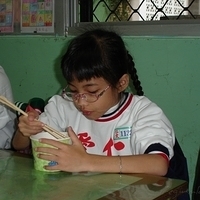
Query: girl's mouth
[86,113]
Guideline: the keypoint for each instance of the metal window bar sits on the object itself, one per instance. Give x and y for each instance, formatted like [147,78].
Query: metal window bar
[138,10]
[86,10]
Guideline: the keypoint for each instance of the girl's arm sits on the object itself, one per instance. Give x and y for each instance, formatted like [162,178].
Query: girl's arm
[20,141]
[74,158]
[27,126]
[144,163]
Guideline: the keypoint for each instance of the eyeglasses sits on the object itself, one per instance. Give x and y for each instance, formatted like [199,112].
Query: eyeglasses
[88,97]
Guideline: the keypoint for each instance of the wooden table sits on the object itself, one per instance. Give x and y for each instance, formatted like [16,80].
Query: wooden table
[19,180]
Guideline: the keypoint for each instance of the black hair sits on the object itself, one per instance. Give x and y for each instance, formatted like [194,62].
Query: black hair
[99,53]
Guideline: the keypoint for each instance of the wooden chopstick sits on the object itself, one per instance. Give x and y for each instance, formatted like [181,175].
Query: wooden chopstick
[47,128]
[53,130]
[55,133]
[11,105]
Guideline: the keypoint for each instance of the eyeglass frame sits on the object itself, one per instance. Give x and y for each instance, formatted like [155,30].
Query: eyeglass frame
[81,95]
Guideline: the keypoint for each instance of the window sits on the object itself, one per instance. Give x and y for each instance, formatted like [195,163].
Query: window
[145,10]
[128,17]
[140,17]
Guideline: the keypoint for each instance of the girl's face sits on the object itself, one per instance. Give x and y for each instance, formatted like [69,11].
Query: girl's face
[108,99]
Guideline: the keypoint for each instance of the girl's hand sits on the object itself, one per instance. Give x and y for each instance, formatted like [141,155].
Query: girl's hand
[70,158]
[28,125]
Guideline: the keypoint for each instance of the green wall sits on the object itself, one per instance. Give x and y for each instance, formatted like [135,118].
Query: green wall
[168,67]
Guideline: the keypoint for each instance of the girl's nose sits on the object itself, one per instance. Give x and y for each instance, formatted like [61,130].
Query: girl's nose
[80,96]
[81,102]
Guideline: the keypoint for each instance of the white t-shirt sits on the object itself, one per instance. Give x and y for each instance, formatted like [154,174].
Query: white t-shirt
[7,116]
[136,126]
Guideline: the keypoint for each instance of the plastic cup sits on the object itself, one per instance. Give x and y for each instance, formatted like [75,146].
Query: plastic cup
[40,163]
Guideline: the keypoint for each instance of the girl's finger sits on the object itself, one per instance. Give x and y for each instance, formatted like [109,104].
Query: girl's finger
[72,135]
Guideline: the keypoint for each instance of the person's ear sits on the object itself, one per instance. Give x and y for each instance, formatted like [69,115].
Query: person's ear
[123,83]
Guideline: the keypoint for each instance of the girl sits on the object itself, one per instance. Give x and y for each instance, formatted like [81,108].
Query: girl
[111,130]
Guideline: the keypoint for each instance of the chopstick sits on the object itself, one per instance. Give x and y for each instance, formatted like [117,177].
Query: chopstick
[47,128]
[52,131]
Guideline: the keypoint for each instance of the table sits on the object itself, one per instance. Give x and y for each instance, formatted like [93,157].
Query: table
[19,180]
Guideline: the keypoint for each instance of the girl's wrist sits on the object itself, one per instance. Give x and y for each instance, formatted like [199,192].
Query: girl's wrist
[23,135]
